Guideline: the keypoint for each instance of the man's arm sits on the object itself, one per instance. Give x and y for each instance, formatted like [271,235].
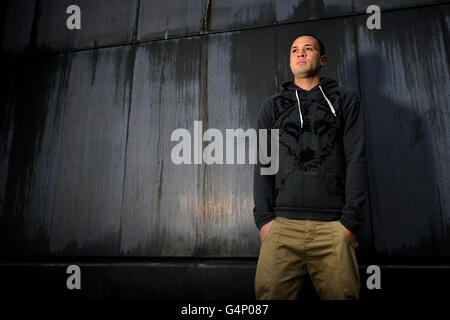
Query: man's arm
[356,173]
[263,185]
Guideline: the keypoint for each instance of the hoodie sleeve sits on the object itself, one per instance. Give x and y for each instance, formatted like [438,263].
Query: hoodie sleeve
[356,173]
[263,185]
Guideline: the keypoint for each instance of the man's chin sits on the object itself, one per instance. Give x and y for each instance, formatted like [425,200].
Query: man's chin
[303,74]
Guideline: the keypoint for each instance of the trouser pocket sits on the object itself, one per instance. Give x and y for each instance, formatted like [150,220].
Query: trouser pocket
[267,262]
[346,262]
[341,227]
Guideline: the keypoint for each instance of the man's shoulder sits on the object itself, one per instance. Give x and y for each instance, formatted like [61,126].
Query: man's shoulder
[267,103]
[348,93]
[349,98]
[275,99]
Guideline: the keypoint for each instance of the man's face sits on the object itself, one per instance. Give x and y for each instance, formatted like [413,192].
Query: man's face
[305,57]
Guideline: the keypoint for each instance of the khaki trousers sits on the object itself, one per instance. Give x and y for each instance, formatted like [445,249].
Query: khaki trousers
[293,248]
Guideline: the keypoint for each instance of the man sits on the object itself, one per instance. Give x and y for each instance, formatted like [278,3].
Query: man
[309,212]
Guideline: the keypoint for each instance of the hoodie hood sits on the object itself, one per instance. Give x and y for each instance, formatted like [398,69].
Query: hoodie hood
[325,87]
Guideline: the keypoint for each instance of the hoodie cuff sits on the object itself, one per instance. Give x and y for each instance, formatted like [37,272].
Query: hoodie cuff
[352,225]
[261,221]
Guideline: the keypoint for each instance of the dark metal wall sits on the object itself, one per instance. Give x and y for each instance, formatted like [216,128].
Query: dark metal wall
[87,115]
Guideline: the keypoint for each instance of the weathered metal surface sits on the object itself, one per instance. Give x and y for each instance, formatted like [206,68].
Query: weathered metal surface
[197,279]
[37,106]
[6,121]
[300,10]
[91,164]
[42,25]
[203,280]
[361,5]
[161,199]
[191,209]
[17,25]
[89,150]
[231,14]
[166,19]
[237,80]
[103,22]
[405,86]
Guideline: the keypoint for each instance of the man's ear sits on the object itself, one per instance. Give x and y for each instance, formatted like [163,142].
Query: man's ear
[323,60]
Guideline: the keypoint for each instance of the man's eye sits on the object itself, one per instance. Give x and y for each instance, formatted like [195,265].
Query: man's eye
[308,48]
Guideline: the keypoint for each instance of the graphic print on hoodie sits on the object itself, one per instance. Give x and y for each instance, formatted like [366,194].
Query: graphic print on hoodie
[322,168]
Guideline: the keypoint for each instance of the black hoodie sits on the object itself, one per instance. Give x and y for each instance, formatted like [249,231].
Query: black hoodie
[322,167]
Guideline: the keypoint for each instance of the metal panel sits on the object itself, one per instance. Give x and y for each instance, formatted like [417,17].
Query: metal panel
[119,193]
[405,86]
[103,22]
[162,199]
[194,280]
[38,103]
[300,10]
[361,5]
[241,69]
[232,14]
[198,210]
[17,28]
[89,186]
[6,121]
[165,19]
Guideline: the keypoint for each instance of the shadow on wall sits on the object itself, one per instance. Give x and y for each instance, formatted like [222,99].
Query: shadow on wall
[405,213]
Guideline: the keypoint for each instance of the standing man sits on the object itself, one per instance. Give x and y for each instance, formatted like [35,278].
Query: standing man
[309,212]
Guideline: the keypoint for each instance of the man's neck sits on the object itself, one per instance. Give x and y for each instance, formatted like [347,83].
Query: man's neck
[307,83]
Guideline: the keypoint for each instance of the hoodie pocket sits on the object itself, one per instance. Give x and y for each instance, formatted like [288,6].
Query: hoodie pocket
[310,189]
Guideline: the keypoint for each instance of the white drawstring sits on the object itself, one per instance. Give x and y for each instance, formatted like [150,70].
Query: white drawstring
[329,103]
[299,110]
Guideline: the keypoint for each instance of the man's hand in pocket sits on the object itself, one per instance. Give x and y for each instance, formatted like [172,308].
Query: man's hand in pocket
[264,230]
[350,235]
